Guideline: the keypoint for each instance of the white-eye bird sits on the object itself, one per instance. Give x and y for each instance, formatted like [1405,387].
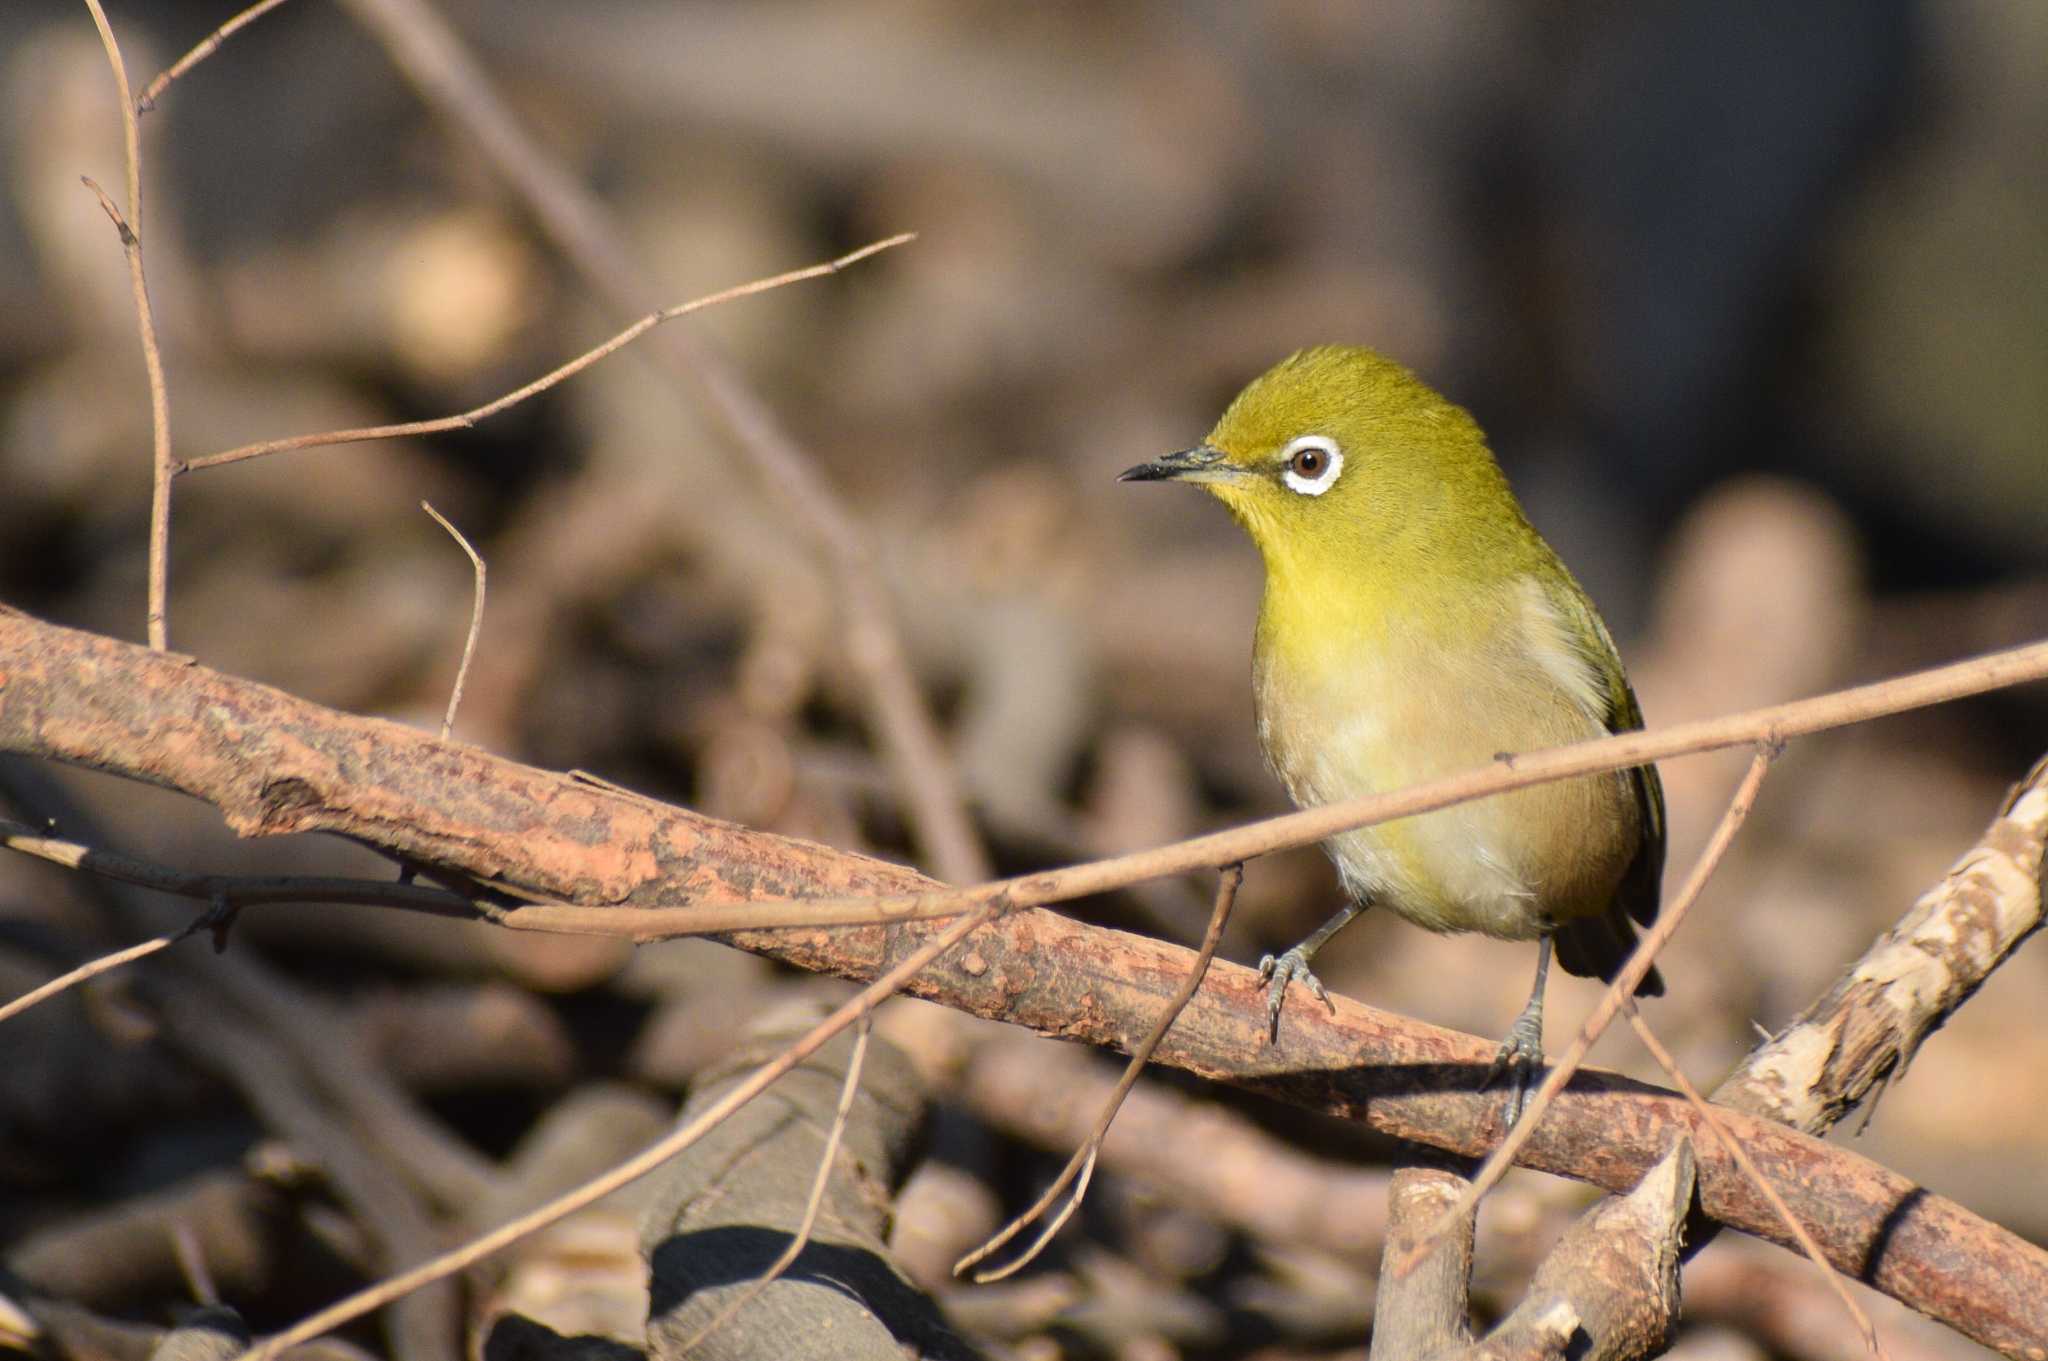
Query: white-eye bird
[1414,625]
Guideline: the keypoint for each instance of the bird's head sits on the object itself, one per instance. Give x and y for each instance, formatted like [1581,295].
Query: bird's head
[1337,453]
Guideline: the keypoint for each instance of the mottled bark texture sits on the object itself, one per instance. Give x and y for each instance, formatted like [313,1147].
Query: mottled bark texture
[1844,1048]
[1607,1292]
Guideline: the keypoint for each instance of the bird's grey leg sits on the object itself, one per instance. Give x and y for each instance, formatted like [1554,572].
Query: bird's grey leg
[1521,1053]
[1281,969]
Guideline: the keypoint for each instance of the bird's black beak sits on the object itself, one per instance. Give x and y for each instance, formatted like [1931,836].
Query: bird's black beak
[1200,463]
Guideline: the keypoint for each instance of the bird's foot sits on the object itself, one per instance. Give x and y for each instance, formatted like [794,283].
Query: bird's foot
[1278,971]
[1521,1060]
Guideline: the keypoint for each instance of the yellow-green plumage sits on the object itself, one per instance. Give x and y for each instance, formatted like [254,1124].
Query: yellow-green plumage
[1415,624]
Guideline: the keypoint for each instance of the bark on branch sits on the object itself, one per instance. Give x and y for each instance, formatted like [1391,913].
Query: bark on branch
[1846,1047]
[274,764]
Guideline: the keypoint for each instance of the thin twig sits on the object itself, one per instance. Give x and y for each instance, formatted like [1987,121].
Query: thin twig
[1619,991]
[433,57]
[640,1164]
[812,1206]
[1769,726]
[162,470]
[238,891]
[476,614]
[1081,1167]
[131,134]
[130,229]
[206,48]
[91,969]
[464,420]
[1734,1149]
[235,890]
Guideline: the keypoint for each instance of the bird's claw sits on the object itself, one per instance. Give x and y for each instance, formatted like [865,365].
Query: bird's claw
[1521,1059]
[1277,971]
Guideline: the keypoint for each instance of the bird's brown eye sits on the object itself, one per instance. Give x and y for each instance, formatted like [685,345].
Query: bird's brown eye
[1310,465]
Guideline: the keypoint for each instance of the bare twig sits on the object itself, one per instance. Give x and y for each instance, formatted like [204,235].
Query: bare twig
[1768,726]
[108,684]
[131,135]
[233,890]
[1730,1145]
[130,229]
[464,420]
[434,58]
[816,1201]
[476,620]
[1200,1153]
[1081,1167]
[206,47]
[237,891]
[396,1287]
[91,969]
[160,426]
[1619,991]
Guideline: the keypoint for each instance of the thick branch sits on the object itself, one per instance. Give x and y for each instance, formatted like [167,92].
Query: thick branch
[1427,1309]
[275,764]
[1867,1029]
[729,1207]
[1612,1280]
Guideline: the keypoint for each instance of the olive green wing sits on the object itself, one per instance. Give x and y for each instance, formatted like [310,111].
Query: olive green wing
[1642,884]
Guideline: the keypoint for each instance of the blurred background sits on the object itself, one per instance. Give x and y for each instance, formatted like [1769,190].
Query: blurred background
[1749,297]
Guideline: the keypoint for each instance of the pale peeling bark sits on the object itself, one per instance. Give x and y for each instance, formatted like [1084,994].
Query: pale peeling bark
[1614,1274]
[1607,1292]
[1867,1028]
[1425,1311]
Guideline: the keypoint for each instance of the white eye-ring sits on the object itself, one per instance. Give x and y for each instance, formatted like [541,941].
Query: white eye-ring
[1312,464]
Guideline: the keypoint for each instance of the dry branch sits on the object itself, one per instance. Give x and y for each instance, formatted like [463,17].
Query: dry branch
[1871,1023]
[129,228]
[729,1208]
[1711,1118]
[205,48]
[1426,1309]
[1607,1292]
[1613,1278]
[274,764]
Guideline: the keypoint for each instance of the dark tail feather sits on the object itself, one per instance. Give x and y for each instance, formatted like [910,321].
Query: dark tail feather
[1597,947]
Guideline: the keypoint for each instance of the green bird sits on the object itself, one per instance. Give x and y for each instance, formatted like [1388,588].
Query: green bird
[1415,624]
